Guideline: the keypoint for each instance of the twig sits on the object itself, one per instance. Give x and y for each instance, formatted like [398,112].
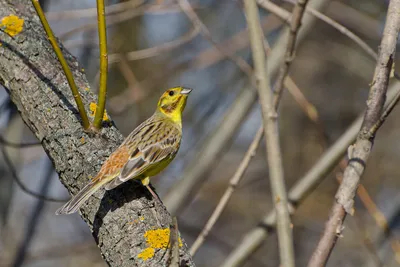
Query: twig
[113,19]
[383,117]
[343,30]
[295,23]
[174,244]
[153,51]
[92,12]
[359,152]
[232,45]
[308,108]
[34,220]
[21,184]
[366,24]
[101,104]
[302,188]
[285,15]
[133,84]
[233,183]
[240,62]
[121,17]
[269,115]
[64,64]
[18,145]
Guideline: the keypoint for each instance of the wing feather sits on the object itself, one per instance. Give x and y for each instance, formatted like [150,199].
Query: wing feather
[153,143]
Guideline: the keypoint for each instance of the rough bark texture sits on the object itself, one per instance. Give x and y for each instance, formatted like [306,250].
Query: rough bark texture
[31,73]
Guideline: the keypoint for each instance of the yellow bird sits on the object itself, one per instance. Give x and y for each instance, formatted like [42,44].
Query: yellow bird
[144,153]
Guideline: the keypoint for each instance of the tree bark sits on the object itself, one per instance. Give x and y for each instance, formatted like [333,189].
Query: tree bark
[120,218]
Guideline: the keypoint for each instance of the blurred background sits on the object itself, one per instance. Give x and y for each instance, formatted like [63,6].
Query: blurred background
[152,46]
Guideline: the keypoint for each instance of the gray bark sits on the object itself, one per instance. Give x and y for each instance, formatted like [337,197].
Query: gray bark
[31,73]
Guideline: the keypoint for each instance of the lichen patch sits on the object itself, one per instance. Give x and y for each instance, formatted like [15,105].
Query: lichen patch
[146,254]
[93,107]
[156,239]
[12,25]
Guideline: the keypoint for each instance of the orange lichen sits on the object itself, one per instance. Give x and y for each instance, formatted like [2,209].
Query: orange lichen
[156,239]
[12,25]
[82,140]
[146,254]
[93,107]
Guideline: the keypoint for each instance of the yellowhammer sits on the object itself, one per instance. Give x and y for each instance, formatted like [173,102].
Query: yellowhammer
[144,153]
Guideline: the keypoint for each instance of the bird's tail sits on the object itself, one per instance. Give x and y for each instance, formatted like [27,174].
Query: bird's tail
[76,202]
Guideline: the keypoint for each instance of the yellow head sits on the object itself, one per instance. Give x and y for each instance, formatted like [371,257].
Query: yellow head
[173,102]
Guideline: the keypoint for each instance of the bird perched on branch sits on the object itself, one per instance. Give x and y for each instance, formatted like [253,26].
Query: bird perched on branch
[144,153]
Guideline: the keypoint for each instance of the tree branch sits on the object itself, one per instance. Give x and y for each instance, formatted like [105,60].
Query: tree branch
[34,79]
[360,151]
[271,132]
[294,26]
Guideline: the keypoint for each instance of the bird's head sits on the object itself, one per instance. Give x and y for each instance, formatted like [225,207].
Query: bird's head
[173,102]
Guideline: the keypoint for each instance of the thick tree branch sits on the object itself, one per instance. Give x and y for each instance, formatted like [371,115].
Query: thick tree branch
[34,79]
[360,151]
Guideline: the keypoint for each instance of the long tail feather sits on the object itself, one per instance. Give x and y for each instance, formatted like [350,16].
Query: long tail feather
[76,202]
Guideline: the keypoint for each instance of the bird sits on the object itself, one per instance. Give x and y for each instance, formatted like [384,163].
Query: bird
[147,150]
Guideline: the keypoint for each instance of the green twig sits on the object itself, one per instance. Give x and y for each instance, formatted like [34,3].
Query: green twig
[64,64]
[101,19]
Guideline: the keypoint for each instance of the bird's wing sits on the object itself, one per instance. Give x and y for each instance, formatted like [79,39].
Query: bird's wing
[150,146]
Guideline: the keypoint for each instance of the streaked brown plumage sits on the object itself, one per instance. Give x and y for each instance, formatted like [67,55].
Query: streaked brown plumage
[144,153]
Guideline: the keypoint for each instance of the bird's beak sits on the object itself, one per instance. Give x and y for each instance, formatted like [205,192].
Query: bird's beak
[186,91]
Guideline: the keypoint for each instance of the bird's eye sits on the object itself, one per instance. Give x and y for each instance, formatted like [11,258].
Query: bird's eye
[171,93]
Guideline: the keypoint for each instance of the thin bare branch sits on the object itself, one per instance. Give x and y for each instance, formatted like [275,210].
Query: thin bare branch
[157,50]
[20,184]
[233,183]
[285,15]
[191,14]
[174,244]
[18,145]
[384,115]
[124,16]
[232,45]
[271,132]
[343,30]
[113,19]
[133,84]
[92,12]
[295,23]
[360,151]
